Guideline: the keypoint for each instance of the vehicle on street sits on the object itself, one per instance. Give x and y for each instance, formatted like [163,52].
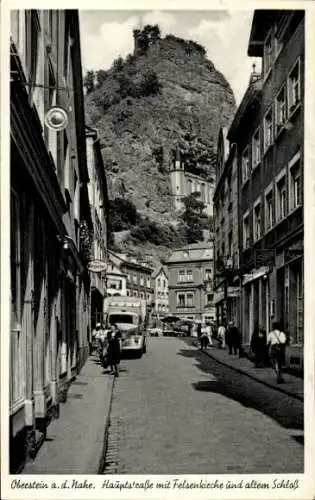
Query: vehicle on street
[130,315]
[155,332]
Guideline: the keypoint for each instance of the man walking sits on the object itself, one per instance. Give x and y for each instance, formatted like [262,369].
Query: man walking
[233,339]
[221,335]
[277,340]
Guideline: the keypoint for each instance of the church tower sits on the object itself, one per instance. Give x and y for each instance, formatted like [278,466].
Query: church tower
[177,175]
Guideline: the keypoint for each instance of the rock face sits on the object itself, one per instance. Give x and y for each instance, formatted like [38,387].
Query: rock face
[144,107]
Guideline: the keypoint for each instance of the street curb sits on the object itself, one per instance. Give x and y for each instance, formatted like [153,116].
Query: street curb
[243,372]
[101,465]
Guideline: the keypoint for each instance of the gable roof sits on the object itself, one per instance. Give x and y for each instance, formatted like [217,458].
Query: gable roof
[192,253]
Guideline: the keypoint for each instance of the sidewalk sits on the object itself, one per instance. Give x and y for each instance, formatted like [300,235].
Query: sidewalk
[293,385]
[75,442]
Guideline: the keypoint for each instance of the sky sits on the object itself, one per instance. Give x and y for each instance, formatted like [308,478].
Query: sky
[106,34]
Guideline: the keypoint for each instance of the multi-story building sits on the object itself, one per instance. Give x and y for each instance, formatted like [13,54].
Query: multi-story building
[136,277]
[184,183]
[226,243]
[50,284]
[98,199]
[116,279]
[268,130]
[190,285]
[160,283]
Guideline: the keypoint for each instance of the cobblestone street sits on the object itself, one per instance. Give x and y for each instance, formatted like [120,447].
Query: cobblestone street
[176,410]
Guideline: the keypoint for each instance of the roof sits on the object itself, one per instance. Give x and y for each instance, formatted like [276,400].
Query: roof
[261,23]
[160,270]
[124,259]
[191,253]
[252,93]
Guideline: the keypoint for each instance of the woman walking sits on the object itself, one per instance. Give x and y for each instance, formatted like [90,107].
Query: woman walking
[113,351]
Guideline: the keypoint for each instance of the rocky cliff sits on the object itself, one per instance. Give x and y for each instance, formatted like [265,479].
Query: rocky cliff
[167,94]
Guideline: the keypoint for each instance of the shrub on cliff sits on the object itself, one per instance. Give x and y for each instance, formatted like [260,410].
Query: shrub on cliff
[123,214]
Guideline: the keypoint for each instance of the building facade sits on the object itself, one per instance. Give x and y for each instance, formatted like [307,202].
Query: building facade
[226,242]
[136,277]
[268,130]
[116,280]
[99,205]
[160,301]
[50,285]
[190,271]
[184,183]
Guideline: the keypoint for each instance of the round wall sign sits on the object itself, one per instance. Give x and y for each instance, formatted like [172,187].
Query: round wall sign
[56,118]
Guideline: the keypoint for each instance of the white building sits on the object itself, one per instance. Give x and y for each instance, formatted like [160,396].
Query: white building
[183,183]
[160,283]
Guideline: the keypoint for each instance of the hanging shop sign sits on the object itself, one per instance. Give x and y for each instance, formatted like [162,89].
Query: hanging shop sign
[56,118]
[97,266]
[255,275]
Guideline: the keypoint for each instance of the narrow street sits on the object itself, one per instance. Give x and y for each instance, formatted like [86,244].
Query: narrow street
[176,411]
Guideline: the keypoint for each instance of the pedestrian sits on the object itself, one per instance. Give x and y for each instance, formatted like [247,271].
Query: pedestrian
[203,338]
[199,330]
[233,339]
[114,350]
[276,341]
[209,333]
[222,335]
[258,345]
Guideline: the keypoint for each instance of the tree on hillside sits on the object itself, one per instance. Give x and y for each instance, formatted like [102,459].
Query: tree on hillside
[193,218]
[89,81]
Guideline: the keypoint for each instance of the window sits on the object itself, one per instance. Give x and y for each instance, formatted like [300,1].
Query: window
[281,198]
[281,108]
[181,300]
[230,244]
[181,275]
[246,231]
[268,129]
[269,210]
[257,221]
[164,284]
[148,297]
[148,283]
[295,183]
[189,275]
[245,166]
[256,148]
[189,186]
[208,274]
[267,54]
[294,87]
[32,47]
[141,281]
[114,284]
[159,283]
[209,298]
[134,278]
[15,261]
[128,293]
[190,300]
[142,295]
